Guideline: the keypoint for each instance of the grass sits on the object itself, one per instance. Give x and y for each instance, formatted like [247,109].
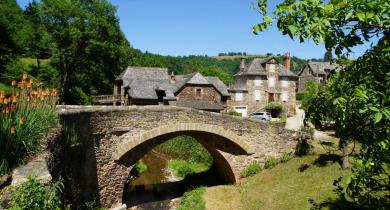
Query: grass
[182,168]
[286,186]
[192,200]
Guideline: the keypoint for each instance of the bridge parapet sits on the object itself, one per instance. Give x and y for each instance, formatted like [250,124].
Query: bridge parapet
[120,135]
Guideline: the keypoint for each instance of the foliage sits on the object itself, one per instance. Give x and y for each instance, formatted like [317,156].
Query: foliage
[251,170]
[281,120]
[362,105]
[304,146]
[182,168]
[76,95]
[140,167]
[217,72]
[286,156]
[339,24]
[192,200]
[33,195]
[275,108]
[233,113]
[186,148]
[359,93]
[328,57]
[24,117]
[299,96]
[270,162]
[317,104]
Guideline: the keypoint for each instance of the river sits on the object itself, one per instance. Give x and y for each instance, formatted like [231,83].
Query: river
[158,189]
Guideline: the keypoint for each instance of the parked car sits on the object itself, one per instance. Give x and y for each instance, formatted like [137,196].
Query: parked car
[261,116]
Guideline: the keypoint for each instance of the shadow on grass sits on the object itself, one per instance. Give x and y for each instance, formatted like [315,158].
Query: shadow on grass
[324,159]
[327,143]
[303,167]
[334,204]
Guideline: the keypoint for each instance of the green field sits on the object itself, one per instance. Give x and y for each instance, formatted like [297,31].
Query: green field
[287,186]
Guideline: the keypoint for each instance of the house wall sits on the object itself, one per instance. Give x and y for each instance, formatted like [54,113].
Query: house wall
[208,94]
[252,86]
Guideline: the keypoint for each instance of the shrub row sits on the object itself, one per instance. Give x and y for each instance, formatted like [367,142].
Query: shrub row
[270,162]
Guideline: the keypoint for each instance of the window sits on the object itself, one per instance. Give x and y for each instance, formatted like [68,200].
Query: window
[257,95]
[271,68]
[257,81]
[198,93]
[284,83]
[239,96]
[284,96]
[271,81]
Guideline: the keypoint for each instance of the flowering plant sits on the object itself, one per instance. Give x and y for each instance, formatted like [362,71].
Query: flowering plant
[25,115]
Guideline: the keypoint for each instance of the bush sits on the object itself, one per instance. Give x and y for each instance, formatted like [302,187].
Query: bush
[270,162]
[275,108]
[299,96]
[186,148]
[33,195]
[233,113]
[182,168]
[286,156]
[192,200]
[25,115]
[76,95]
[304,146]
[140,167]
[251,170]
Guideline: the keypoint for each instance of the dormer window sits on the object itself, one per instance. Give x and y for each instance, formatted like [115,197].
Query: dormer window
[198,93]
[271,68]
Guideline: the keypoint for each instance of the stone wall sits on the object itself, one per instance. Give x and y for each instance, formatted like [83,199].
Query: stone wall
[94,136]
[208,94]
[249,99]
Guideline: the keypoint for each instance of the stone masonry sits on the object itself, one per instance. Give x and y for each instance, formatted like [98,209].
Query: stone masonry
[119,136]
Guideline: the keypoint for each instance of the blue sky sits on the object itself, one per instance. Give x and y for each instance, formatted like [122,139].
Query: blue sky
[204,27]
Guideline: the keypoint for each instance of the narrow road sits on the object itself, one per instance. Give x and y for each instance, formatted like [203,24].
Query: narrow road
[296,121]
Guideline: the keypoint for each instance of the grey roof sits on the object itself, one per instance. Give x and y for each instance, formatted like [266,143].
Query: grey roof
[198,104]
[256,68]
[144,81]
[319,67]
[133,72]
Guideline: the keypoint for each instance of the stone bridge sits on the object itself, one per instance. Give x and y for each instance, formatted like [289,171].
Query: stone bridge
[105,143]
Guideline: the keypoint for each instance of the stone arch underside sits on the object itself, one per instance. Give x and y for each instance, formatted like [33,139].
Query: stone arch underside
[222,144]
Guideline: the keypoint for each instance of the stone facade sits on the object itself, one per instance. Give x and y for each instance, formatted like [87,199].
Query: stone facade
[315,72]
[260,82]
[191,92]
[112,139]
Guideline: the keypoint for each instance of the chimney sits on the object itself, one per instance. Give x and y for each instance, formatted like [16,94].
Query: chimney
[242,63]
[173,77]
[287,61]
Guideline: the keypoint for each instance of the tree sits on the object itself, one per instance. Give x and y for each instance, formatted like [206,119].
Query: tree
[328,57]
[339,24]
[88,46]
[359,93]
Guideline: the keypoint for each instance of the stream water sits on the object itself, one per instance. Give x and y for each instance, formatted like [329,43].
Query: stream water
[156,188]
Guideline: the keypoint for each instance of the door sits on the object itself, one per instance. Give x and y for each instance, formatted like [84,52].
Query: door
[242,110]
[271,97]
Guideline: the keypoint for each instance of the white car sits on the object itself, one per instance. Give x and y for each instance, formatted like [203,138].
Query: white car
[261,116]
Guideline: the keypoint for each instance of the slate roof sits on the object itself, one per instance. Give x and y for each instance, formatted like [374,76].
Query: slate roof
[319,67]
[255,67]
[143,82]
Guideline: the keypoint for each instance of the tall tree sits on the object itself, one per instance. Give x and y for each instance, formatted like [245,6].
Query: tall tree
[360,93]
[328,57]
[88,46]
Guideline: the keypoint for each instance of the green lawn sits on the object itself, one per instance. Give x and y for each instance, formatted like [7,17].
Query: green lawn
[287,186]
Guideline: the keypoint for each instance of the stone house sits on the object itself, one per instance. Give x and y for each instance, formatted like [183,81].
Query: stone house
[262,81]
[153,86]
[314,71]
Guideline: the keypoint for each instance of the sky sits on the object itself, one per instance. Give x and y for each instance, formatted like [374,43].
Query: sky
[205,27]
